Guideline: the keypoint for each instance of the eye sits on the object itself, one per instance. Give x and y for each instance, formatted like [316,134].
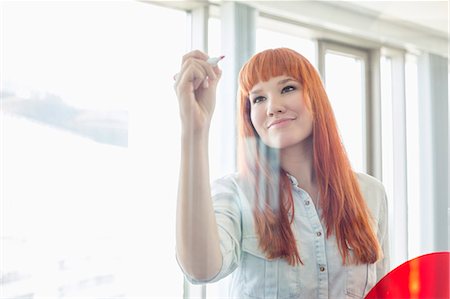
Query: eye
[258,99]
[288,89]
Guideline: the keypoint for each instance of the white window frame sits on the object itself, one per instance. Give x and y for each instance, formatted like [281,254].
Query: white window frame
[398,205]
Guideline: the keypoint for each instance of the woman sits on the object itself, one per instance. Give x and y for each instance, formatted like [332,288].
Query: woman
[295,221]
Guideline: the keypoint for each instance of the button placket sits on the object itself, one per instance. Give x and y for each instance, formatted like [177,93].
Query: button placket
[323,281]
[317,229]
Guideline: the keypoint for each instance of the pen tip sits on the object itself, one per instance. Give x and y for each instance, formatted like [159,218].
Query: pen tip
[222,57]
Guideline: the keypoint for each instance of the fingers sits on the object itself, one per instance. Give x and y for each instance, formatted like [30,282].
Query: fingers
[192,74]
[197,72]
[208,69]
[217,71]
[194,54]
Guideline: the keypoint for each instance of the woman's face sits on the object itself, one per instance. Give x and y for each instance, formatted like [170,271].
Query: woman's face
[278,112]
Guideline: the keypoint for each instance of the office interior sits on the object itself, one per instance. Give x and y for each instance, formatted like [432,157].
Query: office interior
[90,128]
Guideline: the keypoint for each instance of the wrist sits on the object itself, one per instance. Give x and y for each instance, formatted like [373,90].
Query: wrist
[194,135]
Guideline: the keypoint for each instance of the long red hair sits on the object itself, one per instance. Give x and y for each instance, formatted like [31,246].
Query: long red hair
[344,210]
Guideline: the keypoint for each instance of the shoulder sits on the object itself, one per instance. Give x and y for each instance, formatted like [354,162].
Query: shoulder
[229,183]
[373,192]
[370,184]
[226,192]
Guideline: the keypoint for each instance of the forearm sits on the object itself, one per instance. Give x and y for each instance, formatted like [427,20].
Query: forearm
[198,246]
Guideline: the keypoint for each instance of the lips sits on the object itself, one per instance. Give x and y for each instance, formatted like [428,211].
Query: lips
[279,121]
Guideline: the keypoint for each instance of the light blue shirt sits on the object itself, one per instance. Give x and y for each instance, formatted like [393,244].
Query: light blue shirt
[322,274]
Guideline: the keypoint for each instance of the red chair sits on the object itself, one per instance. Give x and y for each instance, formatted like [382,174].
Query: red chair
[426,276]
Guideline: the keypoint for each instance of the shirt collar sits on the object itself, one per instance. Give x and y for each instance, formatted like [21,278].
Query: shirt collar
[292,179]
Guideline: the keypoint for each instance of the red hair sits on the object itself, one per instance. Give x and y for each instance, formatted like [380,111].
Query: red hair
[344,210]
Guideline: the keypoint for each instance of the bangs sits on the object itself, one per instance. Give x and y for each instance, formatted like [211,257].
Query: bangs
[270,63]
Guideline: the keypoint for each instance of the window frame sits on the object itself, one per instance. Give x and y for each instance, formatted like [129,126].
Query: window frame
[325,46]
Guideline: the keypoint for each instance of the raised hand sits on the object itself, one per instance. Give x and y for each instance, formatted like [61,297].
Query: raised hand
[196,86]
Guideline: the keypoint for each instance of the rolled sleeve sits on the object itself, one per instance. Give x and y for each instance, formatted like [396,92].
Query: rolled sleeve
[228,218]
[383,266]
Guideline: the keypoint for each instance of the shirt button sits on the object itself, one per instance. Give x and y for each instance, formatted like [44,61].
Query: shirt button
[318,234]
[307,202]
[322,268]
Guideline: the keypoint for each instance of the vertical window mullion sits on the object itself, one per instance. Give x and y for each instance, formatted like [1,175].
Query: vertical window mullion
[199,28]
[399,159]
[413,156]
[374,117]
[395,151]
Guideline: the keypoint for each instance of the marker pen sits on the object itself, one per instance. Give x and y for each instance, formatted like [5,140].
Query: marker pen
[212,61]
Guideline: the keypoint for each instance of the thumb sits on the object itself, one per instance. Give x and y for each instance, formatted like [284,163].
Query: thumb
[217,70]
[218,73]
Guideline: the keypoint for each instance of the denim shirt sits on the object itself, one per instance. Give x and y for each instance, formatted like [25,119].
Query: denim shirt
[322,274]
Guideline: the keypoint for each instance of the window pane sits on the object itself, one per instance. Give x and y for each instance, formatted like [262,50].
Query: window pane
[88,197]
[344,83]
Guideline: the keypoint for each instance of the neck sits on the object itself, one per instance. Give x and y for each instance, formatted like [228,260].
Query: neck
[298,162]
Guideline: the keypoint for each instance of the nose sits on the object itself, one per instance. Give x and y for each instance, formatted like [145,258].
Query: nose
[275,106]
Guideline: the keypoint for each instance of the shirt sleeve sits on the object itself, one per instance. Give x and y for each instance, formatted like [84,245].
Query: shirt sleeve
[383,265]
[228,218]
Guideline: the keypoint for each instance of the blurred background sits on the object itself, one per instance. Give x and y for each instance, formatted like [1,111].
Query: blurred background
[90,127]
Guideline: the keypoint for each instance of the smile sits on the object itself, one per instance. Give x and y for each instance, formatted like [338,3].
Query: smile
[280,123]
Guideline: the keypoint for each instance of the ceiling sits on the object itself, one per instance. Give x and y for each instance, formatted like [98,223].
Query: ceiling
[432,15]
[421,25]
[429,15]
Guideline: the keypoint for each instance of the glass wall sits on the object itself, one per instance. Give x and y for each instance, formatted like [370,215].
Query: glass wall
[90,156]
[89,174]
